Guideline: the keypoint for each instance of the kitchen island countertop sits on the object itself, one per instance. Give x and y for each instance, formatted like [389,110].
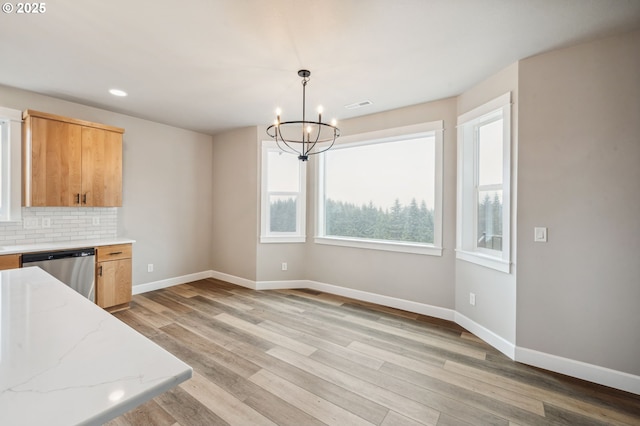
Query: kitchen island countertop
[65,361]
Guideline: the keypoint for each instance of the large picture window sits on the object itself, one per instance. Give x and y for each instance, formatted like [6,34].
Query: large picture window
[382,190]
[283,196]
[484,174]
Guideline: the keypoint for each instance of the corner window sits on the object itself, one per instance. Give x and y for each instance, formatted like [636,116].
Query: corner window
[383,190]
[484,174]
[283,196]
[10,168]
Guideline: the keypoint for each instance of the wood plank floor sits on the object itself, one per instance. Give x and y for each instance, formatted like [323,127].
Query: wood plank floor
[298,357]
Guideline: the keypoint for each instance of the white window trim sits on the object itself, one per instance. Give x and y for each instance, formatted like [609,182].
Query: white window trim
[11,152]
[299,236]
[380,136]
[465,234]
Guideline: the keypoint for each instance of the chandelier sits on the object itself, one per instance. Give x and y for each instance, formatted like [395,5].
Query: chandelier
[304,137]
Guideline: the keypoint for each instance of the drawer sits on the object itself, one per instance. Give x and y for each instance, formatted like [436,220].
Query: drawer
[10,261]
[114,252]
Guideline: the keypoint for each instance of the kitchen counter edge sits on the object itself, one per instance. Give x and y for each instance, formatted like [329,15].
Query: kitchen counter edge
[62,245]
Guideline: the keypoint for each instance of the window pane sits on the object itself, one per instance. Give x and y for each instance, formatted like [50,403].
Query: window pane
[381,191]
[282,215]
[283,173]
[490,153]
[489,220]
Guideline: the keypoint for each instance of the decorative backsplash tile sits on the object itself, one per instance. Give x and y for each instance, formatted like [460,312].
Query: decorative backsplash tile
[52,224]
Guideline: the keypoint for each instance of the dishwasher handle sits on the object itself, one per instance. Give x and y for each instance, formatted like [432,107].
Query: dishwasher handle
[54,255]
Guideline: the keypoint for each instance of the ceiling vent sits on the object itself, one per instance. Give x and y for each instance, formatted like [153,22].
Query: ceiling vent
[359,104]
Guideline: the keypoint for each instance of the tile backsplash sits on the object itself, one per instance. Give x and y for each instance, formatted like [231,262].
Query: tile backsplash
[53,224]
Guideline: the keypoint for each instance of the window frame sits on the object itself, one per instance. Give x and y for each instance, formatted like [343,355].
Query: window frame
[468,185]
[434,128]
[10,165]
[266,235]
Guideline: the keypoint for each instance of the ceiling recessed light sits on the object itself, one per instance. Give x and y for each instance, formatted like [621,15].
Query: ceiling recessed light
[117,92]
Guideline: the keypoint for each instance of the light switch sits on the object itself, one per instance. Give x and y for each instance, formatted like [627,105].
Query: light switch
[540,235]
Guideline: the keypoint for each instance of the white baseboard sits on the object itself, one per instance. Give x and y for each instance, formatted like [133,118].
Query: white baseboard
[281,285]
[487,335]
[593,373]
[233,279]
[393,302]
[581,370]
[170,282]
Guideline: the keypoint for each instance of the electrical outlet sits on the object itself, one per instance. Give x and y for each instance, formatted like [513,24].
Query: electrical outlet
[284,266]
[46,222]
[30,223]
[472,299]
[96,221]
[150,267]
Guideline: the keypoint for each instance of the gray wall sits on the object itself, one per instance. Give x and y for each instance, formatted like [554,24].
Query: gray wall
[167,192]
[235,203]
[579,168]
[495,291]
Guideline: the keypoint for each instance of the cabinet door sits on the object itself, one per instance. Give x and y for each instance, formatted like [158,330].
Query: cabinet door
[101,168]
[113,285]
[55,172]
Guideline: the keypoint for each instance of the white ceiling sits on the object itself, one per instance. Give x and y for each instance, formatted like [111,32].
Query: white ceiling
[213,65]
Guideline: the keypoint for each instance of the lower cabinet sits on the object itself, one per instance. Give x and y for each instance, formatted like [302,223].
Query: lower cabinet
[9,261]
[113,277]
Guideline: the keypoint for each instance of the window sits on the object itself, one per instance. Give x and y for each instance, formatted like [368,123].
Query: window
[10,171]
[484,174]
[283,196]
[383,190]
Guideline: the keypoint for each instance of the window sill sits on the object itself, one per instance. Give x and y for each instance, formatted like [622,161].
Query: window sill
[381,245]
[484,260]
[283,239]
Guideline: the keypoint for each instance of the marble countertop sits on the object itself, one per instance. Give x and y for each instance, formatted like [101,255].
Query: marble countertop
[65,361]
[63,245]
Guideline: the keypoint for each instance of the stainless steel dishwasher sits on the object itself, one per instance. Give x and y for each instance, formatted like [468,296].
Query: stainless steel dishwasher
[75,268]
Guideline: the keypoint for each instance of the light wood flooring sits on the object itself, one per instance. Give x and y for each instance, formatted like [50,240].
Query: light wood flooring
[297,357]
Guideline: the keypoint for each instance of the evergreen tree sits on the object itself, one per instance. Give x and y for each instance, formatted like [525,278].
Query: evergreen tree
[396,222]
[412,223]
[399,223]
[283,215]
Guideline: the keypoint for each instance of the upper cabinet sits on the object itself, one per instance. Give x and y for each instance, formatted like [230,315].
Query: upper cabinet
[69,162]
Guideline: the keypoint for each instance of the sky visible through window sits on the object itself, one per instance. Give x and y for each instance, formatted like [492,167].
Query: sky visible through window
[490,153]
[283,173]
[382,173]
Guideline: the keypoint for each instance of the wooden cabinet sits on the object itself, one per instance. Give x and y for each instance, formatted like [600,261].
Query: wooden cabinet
[9,261]
[69,162]
[113,277]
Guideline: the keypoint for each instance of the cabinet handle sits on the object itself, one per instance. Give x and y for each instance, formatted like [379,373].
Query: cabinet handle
[100,271]
[113,253]
[84,199]
[78,198]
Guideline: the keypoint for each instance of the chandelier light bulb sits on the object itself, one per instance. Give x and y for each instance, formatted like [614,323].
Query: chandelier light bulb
[334,122]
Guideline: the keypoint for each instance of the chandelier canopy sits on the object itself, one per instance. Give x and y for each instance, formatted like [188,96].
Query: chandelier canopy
[304,137]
